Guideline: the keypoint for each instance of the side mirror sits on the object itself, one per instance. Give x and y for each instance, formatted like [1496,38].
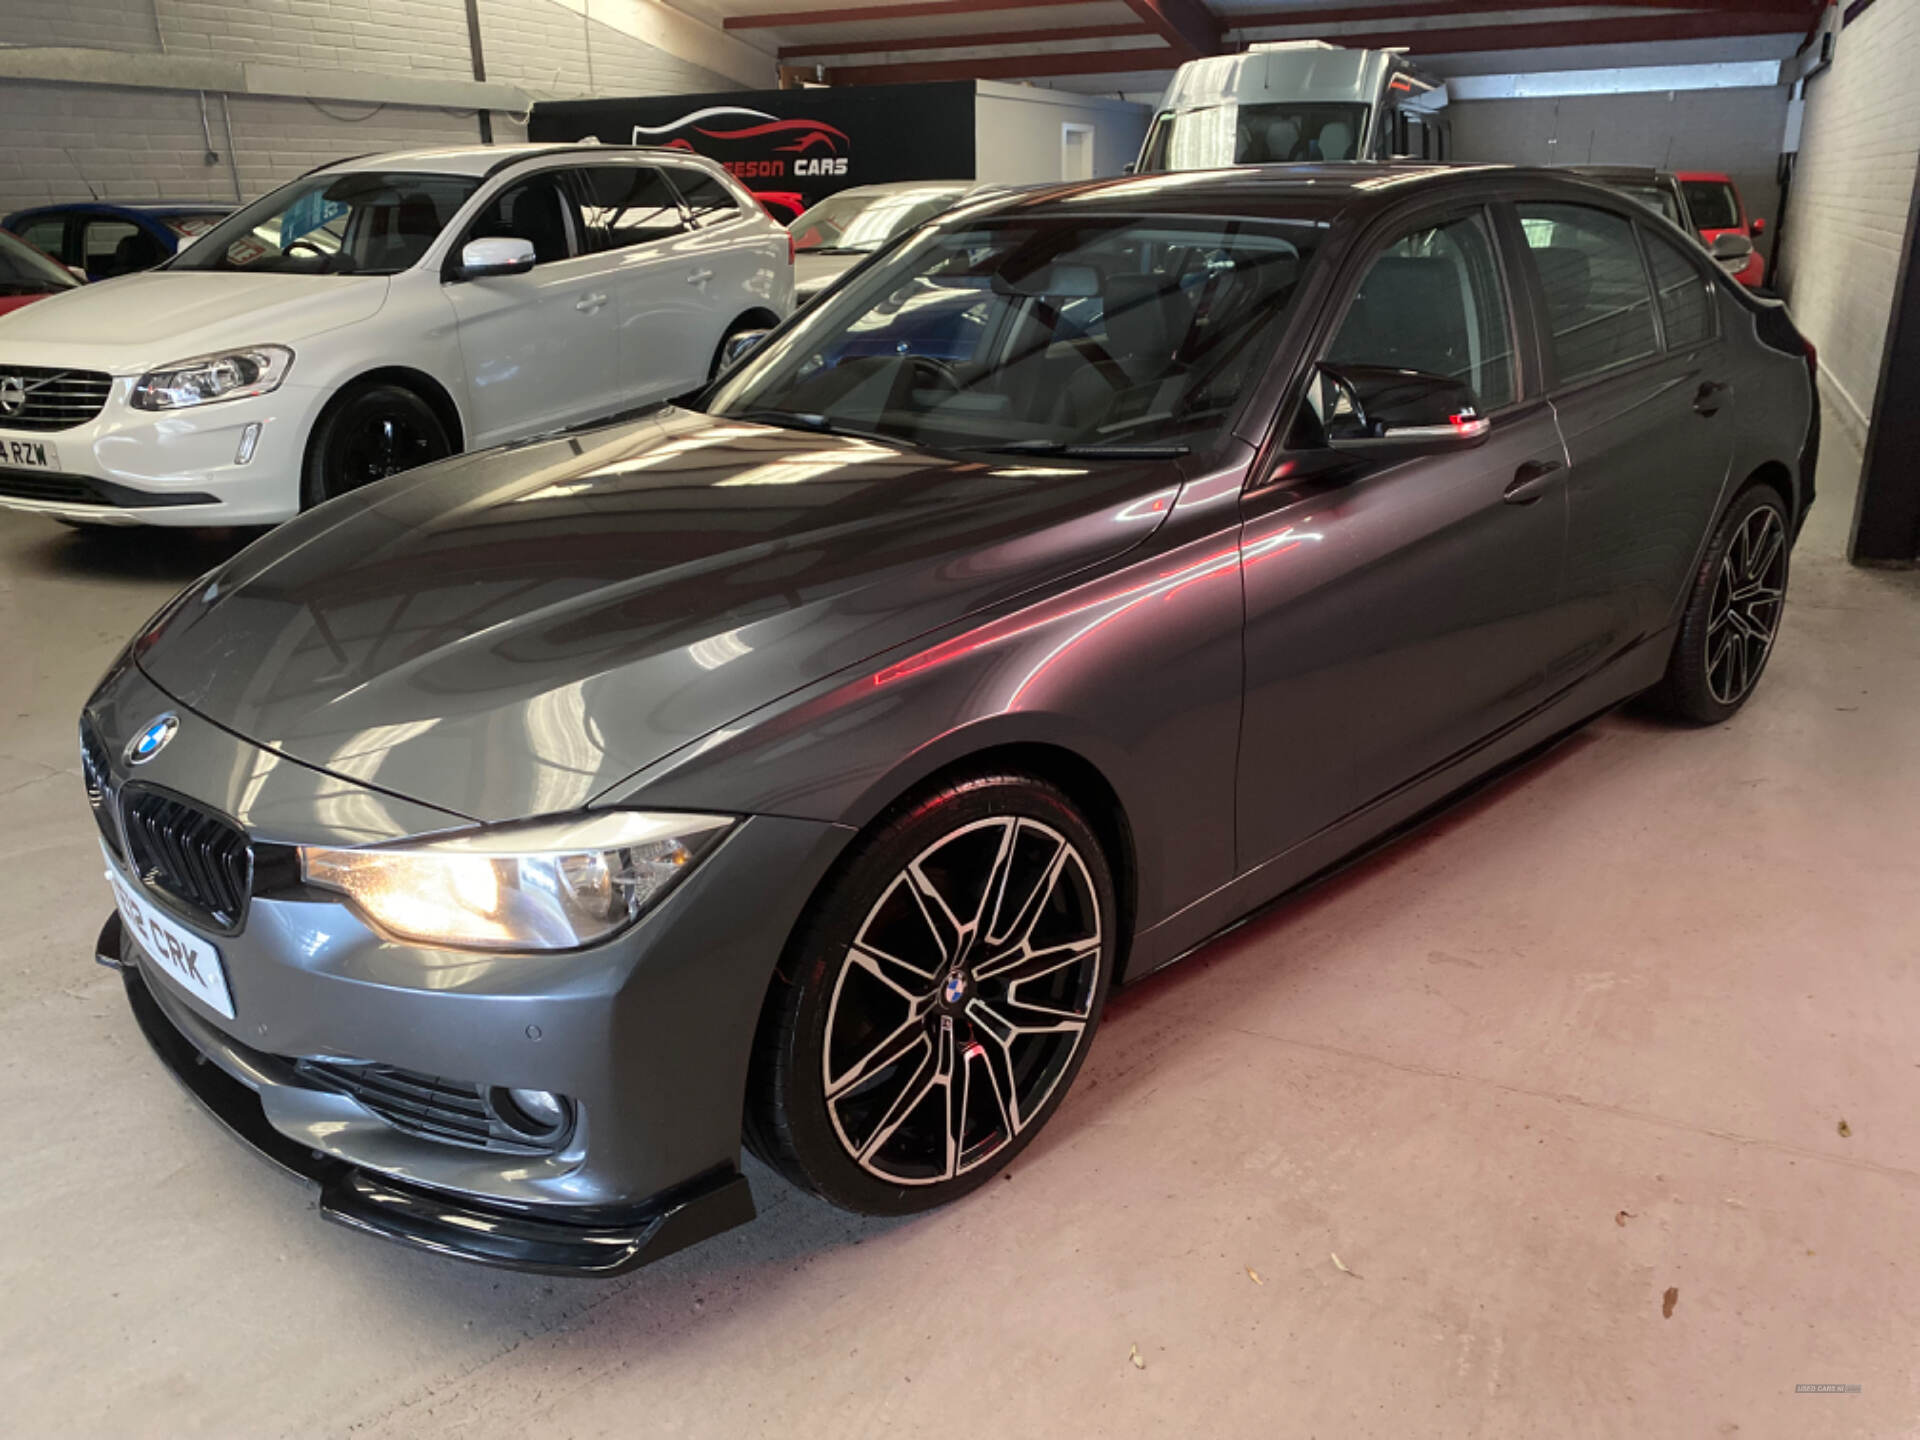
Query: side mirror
[739,346]
[1130,168]
[1759,226]
[495,255]
[1732,246]
[1388,414]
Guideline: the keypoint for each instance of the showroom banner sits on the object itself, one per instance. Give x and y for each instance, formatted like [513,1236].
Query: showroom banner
[800,143]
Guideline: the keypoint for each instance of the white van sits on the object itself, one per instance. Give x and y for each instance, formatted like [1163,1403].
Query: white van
[1297,101]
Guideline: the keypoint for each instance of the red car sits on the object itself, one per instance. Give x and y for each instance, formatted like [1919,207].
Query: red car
[27,274]
[1714,205]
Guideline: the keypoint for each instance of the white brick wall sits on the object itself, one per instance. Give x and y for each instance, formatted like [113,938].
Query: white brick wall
[542,47]
[1860,141]
[147,144]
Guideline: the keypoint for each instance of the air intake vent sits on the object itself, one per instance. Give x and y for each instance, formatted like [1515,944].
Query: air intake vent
[98,774]
[452,1111]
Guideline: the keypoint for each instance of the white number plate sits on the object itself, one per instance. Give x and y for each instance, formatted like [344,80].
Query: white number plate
[28,454]
[186,959]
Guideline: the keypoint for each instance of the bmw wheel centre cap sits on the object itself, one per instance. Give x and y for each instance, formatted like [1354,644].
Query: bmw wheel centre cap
[152,740]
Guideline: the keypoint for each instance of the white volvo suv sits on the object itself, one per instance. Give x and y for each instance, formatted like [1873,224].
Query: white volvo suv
[377,314]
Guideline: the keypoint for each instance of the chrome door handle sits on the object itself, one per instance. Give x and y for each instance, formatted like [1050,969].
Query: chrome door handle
[1530,482]
[699,277]
[587,304]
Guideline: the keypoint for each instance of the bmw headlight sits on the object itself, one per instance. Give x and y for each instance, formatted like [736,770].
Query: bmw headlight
[548,885]
[230,375]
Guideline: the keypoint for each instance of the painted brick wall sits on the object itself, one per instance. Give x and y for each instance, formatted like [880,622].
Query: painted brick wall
[148,144]
[144,144]
[1860,142]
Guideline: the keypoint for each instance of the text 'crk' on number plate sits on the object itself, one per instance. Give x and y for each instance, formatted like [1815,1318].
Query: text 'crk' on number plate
[188,961]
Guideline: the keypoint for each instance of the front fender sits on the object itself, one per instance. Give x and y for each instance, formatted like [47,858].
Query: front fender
[1135,671]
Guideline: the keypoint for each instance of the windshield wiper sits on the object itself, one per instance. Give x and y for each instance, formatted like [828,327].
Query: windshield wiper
[835,250]
[1115,450]
[819,424]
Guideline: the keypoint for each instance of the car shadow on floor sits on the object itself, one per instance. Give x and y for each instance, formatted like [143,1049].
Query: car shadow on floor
[132,552]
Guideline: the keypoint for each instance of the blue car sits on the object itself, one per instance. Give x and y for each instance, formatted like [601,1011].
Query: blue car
[102,239]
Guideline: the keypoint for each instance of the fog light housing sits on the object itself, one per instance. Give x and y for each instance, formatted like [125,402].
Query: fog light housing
[538,1116]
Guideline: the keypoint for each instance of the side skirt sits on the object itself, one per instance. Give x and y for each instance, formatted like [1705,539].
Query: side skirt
[1399,811]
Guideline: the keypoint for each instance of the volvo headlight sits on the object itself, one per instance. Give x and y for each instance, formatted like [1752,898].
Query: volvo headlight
[229,375]
[549,885]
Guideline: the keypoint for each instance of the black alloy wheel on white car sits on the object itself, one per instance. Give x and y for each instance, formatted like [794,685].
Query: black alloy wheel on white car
[938,1002]
[369,433]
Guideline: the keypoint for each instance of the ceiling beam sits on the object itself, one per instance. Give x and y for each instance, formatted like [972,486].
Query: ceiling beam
[1008,67]
[862,14]
[1065,34]
[1549,34]
[1187,25]
[1419,9]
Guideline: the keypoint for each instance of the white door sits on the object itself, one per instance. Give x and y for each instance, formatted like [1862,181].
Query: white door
[635,217]
[725,269]
[541,350]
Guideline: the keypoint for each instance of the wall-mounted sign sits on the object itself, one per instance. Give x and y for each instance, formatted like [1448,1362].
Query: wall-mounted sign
[799,144]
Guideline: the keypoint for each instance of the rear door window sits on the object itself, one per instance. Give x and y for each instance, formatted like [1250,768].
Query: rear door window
[711,202]
[1686,300]
[625,205]
[1599,304]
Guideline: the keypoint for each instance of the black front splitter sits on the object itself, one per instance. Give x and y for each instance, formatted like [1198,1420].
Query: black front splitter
[427,1219]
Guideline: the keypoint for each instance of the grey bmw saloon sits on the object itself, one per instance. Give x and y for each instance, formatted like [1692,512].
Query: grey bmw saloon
[502,846]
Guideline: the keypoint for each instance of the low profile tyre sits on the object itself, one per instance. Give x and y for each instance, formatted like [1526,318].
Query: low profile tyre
[1733,613]
[934,1007]
[367,434]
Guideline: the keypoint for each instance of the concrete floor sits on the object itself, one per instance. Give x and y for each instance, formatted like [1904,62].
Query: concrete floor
[1584,1045]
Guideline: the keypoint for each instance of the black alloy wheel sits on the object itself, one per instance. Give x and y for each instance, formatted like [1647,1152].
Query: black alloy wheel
[935,1008]
[369,433]
[1733,612]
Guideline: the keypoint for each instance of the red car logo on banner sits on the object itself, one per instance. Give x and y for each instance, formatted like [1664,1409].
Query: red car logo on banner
[817,148]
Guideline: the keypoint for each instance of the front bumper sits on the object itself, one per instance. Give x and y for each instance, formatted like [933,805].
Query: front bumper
[136,467]
[521,1238]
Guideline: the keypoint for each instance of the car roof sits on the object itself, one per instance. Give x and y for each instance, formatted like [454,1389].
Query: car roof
[1639,174]
[1717,176]
[1291,191]
[484,160]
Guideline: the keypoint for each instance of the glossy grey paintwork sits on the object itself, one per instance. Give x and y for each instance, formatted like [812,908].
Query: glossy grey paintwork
[1268,657]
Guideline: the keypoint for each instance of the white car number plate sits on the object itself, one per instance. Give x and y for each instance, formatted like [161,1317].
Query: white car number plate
[187,960]
[28,454]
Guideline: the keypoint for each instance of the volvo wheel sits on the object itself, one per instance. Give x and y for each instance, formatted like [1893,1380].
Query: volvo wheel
[938,1001]
[1733,612]
[369,433]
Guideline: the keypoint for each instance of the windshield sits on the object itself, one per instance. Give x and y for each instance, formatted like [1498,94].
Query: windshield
[1053,334]
[1713,204]
[25,271]
[366,222]
[853,223]
[1269,134]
